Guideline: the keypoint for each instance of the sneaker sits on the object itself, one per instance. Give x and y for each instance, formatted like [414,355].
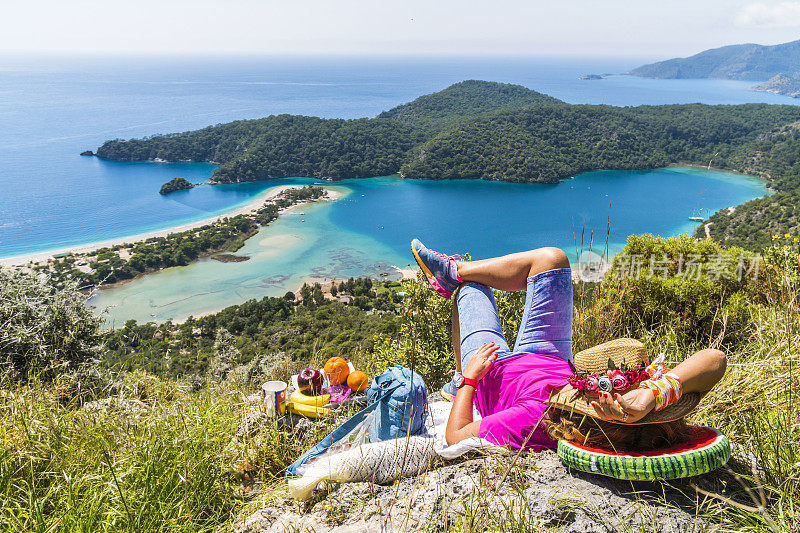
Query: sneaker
[449,391]
[440,269]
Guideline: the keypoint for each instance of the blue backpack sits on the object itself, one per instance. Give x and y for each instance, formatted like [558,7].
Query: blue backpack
[400,401]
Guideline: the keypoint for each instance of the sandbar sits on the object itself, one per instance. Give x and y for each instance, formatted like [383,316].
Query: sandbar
[253,205]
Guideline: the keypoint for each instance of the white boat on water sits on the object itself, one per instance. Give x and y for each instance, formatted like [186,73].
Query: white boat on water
[697,219]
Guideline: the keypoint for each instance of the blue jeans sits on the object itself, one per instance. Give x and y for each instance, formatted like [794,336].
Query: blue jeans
[546,326]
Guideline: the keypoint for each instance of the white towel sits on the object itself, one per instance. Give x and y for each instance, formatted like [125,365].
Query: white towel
[436,423]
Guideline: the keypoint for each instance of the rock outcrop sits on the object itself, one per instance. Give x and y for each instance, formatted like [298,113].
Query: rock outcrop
[536,492]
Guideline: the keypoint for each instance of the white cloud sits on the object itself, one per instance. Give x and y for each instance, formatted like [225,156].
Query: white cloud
[762,15]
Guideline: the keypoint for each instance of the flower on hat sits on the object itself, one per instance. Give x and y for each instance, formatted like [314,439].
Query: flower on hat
[619,382]
[632,376]
[609,380]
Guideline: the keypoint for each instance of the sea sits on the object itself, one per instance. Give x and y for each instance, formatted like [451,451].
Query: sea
[53,108]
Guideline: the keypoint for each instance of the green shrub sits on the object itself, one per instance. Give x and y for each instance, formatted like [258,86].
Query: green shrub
[695,288]
[784,254]
[45,332]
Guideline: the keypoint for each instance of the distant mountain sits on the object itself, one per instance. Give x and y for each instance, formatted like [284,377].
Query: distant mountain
[465,99]
[735,62]
[780,84]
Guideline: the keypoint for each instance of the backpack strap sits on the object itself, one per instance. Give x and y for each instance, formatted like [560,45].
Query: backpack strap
[338,433]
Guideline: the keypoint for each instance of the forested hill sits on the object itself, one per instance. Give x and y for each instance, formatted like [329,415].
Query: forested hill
[735,62]
[546,143]
[466,99]
[542,142]
[447,135]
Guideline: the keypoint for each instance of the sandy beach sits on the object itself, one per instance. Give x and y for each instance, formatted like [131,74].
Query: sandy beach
[251,206]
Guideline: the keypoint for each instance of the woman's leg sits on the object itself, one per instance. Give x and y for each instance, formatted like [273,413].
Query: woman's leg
[475,322]
[511,272]
[546,326]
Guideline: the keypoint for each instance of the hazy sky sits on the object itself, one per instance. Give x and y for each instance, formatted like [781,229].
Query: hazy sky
[528,27]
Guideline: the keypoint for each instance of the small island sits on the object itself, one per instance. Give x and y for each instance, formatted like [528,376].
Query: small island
[177,184]
[780,84]
[87,152]
[591,77]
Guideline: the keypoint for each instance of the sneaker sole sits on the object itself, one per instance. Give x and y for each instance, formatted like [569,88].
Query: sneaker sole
[428,274]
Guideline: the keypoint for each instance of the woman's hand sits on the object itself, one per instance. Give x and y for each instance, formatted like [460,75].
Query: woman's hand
[629,407]
[480,363]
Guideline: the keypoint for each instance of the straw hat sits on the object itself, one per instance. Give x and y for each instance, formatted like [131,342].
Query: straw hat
[614,354]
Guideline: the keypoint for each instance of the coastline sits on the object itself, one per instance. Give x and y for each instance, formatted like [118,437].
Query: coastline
[253,205]
[405,273]
[760,176]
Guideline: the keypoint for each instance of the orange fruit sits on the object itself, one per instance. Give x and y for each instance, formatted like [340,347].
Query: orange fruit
[337,370]
[357,381]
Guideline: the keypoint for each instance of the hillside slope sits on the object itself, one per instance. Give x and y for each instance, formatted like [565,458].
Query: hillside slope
[465,99]
[735,62]
[780,84]
[547,143]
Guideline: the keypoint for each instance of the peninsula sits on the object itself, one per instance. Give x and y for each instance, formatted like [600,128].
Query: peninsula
[495,131]
[780,84]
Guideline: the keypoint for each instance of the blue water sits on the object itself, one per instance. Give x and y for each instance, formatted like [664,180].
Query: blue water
[489,218]
[370,229]
[51,109]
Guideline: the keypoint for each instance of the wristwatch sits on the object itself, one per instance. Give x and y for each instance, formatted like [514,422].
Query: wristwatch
[460,381]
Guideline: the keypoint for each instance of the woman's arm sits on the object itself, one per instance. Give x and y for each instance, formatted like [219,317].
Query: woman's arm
[698,373]
[460,425]
[701,371]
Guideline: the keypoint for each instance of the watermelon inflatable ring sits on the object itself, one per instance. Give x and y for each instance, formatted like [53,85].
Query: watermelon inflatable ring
[707,450]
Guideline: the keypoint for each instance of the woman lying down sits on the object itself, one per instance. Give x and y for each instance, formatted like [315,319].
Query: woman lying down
[534,394]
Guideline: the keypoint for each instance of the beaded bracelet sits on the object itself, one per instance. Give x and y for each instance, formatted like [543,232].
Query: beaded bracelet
[666,389]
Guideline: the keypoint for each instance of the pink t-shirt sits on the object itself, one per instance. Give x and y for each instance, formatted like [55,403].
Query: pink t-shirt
[511,399]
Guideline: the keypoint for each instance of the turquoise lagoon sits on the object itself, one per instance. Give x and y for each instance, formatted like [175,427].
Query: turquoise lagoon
[369,229]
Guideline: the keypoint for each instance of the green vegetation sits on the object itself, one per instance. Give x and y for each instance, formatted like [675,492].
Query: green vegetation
[124,261]
[45,333]
[497,131]
[176,184]
[684,287]
[282,146]
[465,99]
[294,329]
[737,62]
[165,450]
[776,156]
[546,143]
